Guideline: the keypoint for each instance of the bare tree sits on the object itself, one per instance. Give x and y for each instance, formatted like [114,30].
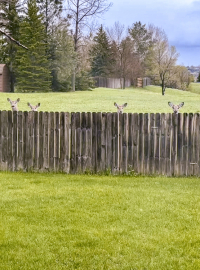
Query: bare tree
[124,51]
[80,11]
[117,33]
[162,57]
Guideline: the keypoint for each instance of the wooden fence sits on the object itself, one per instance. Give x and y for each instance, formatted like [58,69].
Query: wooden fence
[165,144]
[111,82]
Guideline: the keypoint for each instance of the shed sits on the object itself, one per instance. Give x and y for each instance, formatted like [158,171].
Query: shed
[4,78]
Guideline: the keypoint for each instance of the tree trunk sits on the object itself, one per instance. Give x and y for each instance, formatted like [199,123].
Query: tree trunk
[73,80]
[163,87]
[124,80]
[75,46]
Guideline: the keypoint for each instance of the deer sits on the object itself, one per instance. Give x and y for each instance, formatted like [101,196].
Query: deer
[120,107]
[175,108]
[14,104]
[34,108]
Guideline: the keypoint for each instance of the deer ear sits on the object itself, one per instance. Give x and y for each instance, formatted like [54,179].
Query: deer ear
[18,99]
[8,99]
[125,104]
[115,104]
[38,105]
[180,105]
[170,104]
[28,104]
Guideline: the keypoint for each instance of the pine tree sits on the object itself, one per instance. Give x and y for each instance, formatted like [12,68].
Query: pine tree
[101,55]
[51,12]
[10,22]
[32,65]
[64,59]
[141,38]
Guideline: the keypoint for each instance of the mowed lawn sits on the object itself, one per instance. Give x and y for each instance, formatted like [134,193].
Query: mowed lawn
[147,100]
[87,222]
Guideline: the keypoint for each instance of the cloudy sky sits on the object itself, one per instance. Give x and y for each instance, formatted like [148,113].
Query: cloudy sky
[180,19]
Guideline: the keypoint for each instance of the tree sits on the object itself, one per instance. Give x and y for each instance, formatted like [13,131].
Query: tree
[126,59]
[80,11]
[10,22]
[161,58]
[182,77]
[142,42]
[12,39]
[141,39]
[33,72]
[101,55]
[124,53]
[51,10]
[65,57]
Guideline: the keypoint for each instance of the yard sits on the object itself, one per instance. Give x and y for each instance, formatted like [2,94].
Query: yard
[87,222]
[58,221]
[147,100]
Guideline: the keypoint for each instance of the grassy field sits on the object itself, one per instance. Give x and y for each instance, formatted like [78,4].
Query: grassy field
[195,88]
[57,221]
[148,100]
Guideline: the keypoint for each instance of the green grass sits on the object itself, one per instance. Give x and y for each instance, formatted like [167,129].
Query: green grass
[58,221]
[148,100]
[195,88]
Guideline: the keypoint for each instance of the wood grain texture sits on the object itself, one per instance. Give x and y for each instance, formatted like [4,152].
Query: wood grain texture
[164,144]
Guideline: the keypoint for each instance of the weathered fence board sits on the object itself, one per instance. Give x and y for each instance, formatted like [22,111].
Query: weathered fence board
[10,145]
[4,126]
[165,144]
[20,140]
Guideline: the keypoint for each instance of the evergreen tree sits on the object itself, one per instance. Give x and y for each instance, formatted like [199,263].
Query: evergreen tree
[102,59]
[51,12]
[10,22]
[141,38]
[33,73]
[64,59]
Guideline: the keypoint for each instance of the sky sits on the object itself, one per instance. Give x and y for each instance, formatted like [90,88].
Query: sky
[180,19]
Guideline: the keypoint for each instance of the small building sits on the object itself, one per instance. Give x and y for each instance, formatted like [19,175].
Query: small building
[4,78]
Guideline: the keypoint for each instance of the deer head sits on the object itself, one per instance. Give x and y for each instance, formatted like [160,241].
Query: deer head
[175,108]
[13,104]
[120,107]
[33,108]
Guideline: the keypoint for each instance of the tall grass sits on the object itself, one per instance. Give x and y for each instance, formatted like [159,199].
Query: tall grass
[147,100]
[57,221]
